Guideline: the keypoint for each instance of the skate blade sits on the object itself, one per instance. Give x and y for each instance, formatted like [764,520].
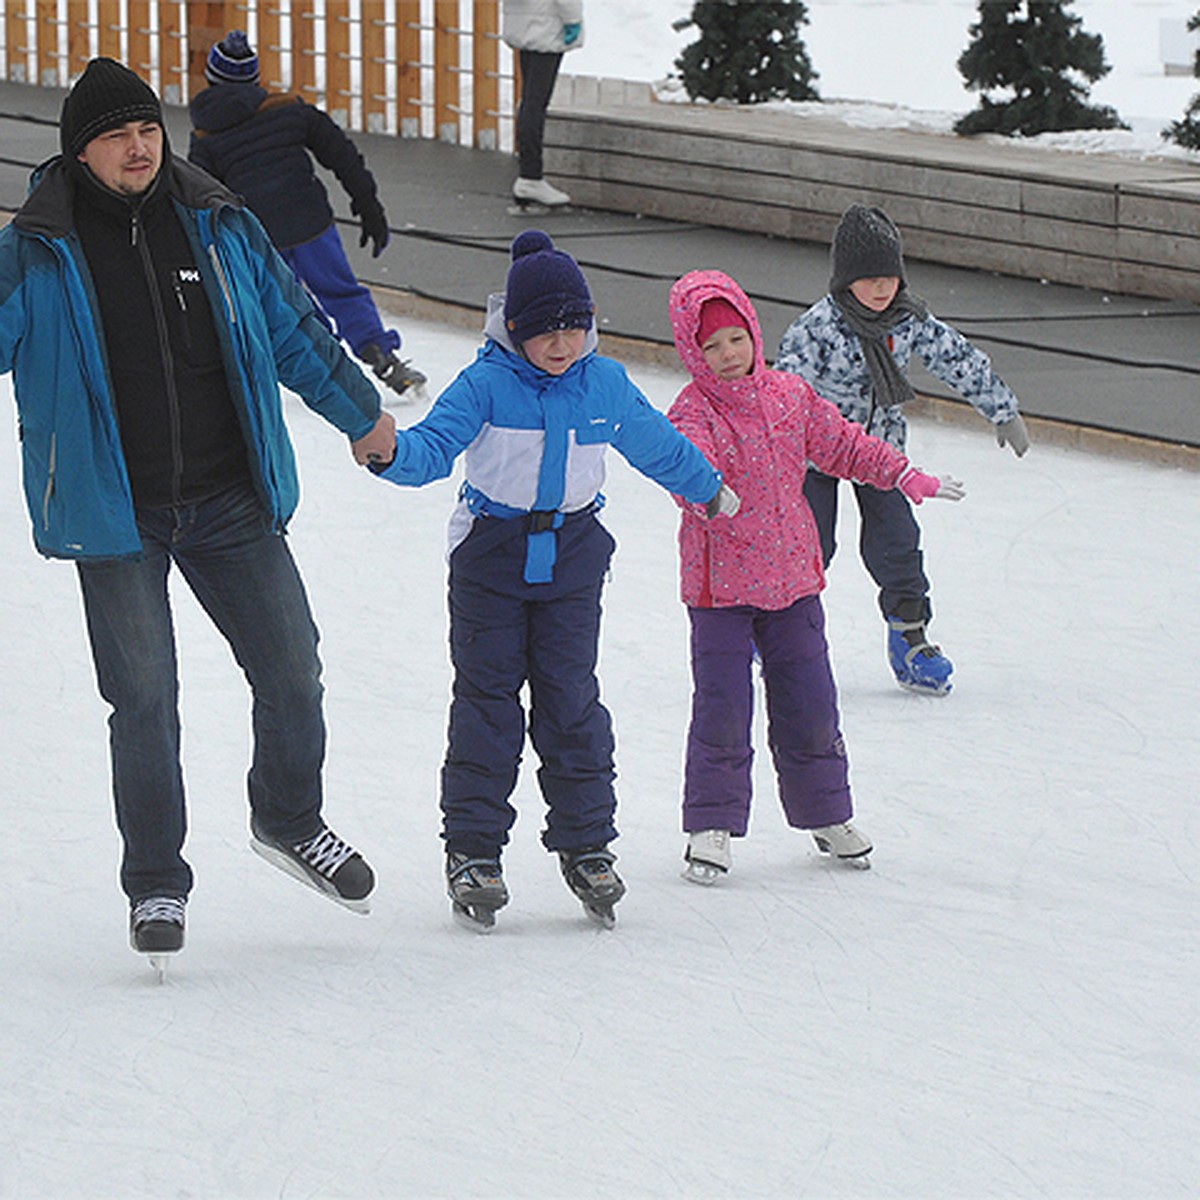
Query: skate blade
[703,873]
[410,397]
[861,862]
[285,864]
[918,689]
[531,208]
[158,961]
[602,915]
[477,918]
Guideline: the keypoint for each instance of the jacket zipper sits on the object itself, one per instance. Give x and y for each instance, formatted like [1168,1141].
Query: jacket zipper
[52,469]
[168,363]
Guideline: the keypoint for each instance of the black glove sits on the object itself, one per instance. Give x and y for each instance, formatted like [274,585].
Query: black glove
[374,226]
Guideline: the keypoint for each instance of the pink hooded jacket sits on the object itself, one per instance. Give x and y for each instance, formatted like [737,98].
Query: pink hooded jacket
[760,431]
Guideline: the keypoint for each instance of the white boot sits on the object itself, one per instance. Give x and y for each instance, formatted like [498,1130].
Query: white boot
[708,856]
[844,842]
[538,191]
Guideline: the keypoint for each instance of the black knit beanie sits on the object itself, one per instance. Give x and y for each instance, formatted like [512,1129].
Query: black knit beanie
[866,245]
[546,289]
[108,94]
[232,60]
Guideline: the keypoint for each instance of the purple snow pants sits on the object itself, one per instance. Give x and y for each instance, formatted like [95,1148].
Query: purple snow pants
[802,718]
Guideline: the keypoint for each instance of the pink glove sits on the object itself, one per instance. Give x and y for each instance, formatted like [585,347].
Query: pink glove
[918,486]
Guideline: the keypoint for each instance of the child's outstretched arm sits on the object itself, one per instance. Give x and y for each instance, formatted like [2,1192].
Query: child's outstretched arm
[958,363]
[918,486]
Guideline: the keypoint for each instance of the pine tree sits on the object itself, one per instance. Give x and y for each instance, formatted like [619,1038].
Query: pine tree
[749,51]
[1039,58]
[1187,131]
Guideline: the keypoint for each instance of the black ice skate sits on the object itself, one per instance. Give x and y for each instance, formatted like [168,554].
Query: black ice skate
[476,889]
[398,373]
[156,929]
[591,876]
[324,862]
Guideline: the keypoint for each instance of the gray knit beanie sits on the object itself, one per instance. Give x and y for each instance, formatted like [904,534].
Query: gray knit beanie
[866,245]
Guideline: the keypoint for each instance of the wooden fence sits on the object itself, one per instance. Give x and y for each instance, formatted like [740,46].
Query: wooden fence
[418,68]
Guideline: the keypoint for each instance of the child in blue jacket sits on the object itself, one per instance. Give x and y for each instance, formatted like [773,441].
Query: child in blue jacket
[535,414]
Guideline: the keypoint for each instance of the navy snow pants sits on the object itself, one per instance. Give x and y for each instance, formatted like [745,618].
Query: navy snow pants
[802,718]
[506,633]
[889,538]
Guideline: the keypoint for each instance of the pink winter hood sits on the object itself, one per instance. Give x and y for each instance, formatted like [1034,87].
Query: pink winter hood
[760,432]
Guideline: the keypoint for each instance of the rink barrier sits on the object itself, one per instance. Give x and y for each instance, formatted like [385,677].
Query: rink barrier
[1102,221]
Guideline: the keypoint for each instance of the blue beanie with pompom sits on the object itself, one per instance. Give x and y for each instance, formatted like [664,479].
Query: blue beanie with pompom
[546,289]
[232,60]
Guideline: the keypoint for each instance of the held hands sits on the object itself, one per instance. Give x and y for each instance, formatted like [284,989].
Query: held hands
[725,503]
[1013,433]
[571,32]
[379,446]
[374,226]
[918,486]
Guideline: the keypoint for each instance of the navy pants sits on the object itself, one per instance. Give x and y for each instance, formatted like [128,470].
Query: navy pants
[345,305]
[506,634]
[889,538]
[802,718]
[539,71]
[244,577]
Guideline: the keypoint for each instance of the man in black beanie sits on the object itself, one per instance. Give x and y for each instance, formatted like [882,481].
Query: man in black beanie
[158,323]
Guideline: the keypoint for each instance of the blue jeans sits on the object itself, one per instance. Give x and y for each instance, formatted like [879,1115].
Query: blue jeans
[243,575]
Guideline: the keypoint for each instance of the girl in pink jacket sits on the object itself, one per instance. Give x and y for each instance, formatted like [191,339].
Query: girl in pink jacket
[752,578]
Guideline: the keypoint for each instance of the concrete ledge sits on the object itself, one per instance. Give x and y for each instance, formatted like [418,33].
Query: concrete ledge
[1122,225]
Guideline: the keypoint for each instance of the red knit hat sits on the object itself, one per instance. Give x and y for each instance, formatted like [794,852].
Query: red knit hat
[715,314]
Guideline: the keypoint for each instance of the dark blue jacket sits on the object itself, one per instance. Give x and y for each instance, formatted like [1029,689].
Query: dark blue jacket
[76,483]
[259,146]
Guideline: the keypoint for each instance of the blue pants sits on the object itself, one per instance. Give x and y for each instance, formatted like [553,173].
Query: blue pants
[344,304]
[504,634]
[889,538]
[802,718]
[244,577]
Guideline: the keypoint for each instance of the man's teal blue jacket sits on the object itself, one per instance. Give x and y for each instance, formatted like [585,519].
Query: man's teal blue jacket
[76,485]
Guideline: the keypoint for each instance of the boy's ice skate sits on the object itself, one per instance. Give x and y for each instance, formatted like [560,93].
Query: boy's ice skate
[708,855]
[536,198]
[591,876]
[398,373]
[156,925]
[476,889]
[845,843]
[324,862]
[918,665]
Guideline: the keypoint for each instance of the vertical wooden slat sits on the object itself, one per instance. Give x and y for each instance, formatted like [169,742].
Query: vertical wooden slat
[485,74]
[408,67]
[374,66]
[339,98]
[445,74]
[108,36]
[16,39]
[172,48]
[47,43]
[270,46]
[207,23]
[304,52]
[139,38]
[79,37]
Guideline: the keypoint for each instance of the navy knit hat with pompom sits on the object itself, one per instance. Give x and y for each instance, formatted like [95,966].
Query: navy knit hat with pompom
[546,289]
[232,60]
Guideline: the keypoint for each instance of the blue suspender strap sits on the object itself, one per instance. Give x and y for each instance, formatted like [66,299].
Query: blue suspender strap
[541,546]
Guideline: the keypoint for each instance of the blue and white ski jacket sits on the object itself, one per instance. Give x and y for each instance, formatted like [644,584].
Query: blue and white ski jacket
[821,348]
[509,417]
[76,484]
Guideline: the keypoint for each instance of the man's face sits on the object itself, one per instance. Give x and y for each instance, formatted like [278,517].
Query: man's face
[126,159]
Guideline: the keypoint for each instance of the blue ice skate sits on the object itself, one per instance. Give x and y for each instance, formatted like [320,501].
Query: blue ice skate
[919,665]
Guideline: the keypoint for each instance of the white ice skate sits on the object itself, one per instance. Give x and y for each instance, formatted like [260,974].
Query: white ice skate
[844,843]
[537,197]
[708,855]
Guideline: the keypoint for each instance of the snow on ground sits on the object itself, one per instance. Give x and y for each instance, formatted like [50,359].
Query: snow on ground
[892,63]
[1003,1006]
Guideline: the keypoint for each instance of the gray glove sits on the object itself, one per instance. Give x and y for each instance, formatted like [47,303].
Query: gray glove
[1013,433]
[725,503]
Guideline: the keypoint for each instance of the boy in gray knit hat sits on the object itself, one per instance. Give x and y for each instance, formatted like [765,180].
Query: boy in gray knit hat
[854,346]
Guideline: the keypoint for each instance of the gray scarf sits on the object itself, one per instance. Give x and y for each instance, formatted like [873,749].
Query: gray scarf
[889,386]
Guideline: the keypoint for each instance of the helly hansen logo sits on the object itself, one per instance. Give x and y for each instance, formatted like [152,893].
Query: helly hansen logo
[188,275]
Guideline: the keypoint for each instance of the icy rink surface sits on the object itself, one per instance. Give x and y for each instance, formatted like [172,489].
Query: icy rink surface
[1004,1006]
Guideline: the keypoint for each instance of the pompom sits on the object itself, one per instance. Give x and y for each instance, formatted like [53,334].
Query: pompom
[530,242]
